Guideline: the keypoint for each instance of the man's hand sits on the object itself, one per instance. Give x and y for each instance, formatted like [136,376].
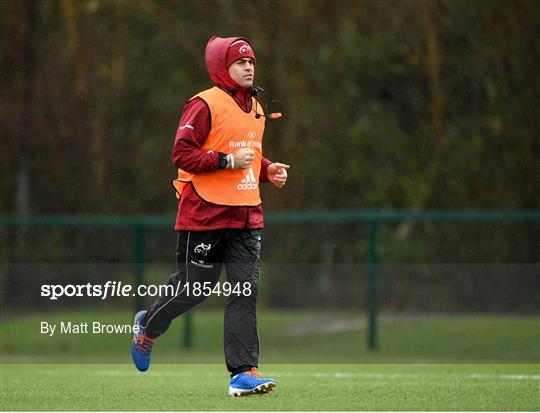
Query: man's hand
[242,159]
[277,174]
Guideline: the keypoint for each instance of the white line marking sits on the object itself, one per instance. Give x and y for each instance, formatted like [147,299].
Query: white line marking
[336,375]
[506,376]
[349,375]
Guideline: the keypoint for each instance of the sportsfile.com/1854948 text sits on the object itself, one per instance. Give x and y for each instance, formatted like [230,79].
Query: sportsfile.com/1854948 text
[118,289]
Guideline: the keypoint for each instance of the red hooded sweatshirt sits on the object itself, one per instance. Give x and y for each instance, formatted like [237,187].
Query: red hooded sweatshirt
[194,213]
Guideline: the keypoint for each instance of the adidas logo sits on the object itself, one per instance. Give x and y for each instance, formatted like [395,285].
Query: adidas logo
[249,181]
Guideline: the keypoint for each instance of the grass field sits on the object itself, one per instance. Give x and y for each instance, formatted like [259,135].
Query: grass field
[425,362]
[301,387]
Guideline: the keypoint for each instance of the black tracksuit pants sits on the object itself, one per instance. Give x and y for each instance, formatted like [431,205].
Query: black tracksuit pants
[199,258]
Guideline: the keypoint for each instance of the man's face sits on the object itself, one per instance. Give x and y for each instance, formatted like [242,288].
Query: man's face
[243,71]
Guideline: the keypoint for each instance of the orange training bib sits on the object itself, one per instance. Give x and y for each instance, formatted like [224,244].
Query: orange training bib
[232,129]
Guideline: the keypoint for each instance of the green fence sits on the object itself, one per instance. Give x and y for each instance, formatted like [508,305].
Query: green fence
[141,224]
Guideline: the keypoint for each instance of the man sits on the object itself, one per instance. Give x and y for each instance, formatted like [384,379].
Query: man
[218,151]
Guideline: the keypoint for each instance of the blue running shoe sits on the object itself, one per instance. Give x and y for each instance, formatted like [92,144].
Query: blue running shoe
[250,382]
[141,346]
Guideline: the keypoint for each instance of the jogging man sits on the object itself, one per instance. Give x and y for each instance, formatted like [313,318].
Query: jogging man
[218,153]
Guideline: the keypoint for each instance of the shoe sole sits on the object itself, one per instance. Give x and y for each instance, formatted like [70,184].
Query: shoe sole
[265,388]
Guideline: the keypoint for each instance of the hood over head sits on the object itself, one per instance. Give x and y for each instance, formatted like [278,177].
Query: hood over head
[218,61]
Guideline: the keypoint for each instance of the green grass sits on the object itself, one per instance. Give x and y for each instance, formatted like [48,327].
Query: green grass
[301,387]
[439,362]
[290,337]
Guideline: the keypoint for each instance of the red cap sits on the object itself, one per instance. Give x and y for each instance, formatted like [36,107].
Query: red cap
[239,50]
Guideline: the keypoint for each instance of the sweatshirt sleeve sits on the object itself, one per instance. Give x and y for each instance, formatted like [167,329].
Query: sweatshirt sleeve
[264,169]
[191,134]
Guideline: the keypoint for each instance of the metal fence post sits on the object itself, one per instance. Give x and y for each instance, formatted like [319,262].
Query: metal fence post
[372,286]
[139,258]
